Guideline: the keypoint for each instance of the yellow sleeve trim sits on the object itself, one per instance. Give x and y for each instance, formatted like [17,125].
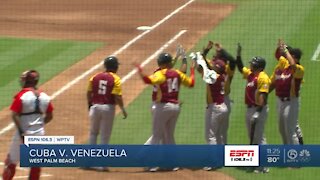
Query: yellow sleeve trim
[283,63]
[158,77]
[298,74]
[246,72]
[185,80]
[263,82]
[117,85]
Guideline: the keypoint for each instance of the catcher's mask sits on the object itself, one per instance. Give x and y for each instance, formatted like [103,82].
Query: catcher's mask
[111,63]
[29,78]
[164,58]
[258,63]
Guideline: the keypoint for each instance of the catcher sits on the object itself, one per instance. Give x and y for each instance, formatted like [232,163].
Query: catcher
[31,109]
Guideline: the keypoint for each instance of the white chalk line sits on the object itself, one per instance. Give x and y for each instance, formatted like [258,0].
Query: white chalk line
[316,54]
[26,177]
[86,73]
[7,128]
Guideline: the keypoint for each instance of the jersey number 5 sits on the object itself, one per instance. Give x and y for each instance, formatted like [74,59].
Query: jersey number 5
[102,87]
[173,85]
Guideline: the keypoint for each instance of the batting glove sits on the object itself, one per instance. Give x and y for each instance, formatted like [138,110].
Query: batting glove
[193,56]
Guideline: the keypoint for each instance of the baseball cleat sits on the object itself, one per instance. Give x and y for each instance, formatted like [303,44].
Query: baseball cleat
[263,170]
[175,169]
[102,169]
[86,168]
[207,168]
[154,169]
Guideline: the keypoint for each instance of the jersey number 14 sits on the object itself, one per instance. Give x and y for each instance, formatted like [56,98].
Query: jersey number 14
[173,85]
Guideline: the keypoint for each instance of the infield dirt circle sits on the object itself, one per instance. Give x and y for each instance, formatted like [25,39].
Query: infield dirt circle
[114,23]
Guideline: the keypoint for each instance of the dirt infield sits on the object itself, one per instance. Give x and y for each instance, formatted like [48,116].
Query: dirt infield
[113,22]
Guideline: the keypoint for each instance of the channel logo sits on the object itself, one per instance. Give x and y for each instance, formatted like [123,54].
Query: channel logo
[241,155]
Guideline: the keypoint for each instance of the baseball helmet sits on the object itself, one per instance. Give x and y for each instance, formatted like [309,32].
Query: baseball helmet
[220,65]
[164,58]
[296,53]
[30,78]
[111,63]
[258,62]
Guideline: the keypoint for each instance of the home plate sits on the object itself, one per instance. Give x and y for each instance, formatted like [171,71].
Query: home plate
[143,28]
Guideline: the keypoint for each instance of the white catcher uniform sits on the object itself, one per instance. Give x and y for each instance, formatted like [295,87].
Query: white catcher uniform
[32,123]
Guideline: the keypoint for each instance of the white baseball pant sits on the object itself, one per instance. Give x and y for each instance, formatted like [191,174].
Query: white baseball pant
[216,115]
[101,117]
[259,137]
[288,119]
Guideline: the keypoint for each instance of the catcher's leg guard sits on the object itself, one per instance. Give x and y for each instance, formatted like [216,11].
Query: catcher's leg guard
[299,134]
[301,140]
[9,169]
[34,173]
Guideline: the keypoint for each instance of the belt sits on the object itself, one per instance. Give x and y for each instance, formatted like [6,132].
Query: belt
[284,98]
[103,104]
[216,103]
[251,106]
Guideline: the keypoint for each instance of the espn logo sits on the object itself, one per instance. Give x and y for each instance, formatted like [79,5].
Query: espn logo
[241,155]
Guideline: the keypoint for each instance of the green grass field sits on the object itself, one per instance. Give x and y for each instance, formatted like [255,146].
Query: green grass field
[256,24]
[48,57]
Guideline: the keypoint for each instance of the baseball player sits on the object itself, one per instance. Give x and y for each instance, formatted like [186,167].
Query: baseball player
[216,111]
[104,92]
[167,107]
[31,109]
[256,93]
[286,79]
[180,52]
[222,54]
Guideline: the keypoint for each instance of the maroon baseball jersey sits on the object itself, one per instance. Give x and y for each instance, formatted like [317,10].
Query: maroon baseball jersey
[103,87]
[168,82]
[215,91]
[256,83]
[283,80]
[287,81]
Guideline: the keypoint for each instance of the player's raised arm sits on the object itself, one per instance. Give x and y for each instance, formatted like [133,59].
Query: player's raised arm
[286,52]
[239,60]
[181,52]
[188,81]
[206,50]
[164,62]
[221,53]
[155,78]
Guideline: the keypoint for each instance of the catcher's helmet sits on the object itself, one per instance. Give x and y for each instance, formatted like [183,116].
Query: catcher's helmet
[29,78]
[111,63]
[220,65]
[164,58]
[258,62]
